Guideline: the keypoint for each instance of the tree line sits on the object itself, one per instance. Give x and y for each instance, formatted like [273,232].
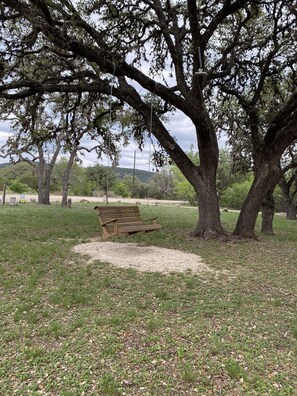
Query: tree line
[167,184]
[228,66]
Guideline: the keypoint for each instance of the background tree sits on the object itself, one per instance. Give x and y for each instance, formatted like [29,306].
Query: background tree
[104,178]
[235,194]
[18,187]
[76,177]
[226,175]
[200,50]
[22,172]
[288,181]
[183,188]
[36,140]
[70,124]
[261,115]
[87,121]
[120,189]
[135,187]
[162,185]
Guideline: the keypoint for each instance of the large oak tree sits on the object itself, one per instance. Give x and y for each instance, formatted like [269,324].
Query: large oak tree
[182,52]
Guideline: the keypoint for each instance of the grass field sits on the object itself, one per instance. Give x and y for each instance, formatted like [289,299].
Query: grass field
[71,328]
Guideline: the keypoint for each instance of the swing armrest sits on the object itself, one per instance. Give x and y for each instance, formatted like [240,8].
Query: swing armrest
[109,221]
[152,219]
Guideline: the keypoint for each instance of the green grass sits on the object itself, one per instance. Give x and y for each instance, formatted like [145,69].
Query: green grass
[70,327]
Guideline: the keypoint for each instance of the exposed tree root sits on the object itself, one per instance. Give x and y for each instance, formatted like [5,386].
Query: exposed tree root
[267,232]
[208,234]
[248,236]
[221,236]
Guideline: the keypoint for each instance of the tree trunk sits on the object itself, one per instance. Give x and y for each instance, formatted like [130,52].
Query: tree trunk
[209,222]
[4,193]
[41,173]
[40,193]
[65,179]
[44,173]
[40,181]
[43,186]
[65,186]
[265,177]
[291,210]
[268,207]
[46,190]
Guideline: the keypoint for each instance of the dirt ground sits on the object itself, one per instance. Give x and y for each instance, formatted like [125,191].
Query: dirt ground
[142,258]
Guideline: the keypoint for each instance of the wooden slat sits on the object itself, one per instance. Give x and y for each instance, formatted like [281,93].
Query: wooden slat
[123,219]
[142,227]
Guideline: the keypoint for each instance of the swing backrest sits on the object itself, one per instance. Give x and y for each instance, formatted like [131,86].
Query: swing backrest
[123,214]
[123,220]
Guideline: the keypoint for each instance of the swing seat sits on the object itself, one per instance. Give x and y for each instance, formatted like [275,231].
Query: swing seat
[123,220]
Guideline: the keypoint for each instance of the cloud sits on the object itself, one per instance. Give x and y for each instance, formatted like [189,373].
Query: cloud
[183,130]
[126,158]
[4,135]
[179,126]
[4,126]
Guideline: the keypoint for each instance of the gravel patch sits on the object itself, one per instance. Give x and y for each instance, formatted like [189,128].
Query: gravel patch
[143,258]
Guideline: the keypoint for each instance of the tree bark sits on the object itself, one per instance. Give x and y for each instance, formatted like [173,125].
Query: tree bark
[209,222]
[268,208]
[4,193]
[265,177]
[290,205]
[65,179]
[291,210]
[40,180]
[47,185]
[43,177]
[44,172]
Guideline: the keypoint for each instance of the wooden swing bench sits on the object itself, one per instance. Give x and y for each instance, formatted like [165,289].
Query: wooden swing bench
[123,220]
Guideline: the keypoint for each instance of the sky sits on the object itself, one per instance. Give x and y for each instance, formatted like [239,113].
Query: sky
[180,127]
[4,134]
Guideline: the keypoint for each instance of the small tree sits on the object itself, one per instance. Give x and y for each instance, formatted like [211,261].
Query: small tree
[183,188]
[134,186]
[21,171]
[18,187]
[104,177]
[162,185]
[234,196]
[120,189]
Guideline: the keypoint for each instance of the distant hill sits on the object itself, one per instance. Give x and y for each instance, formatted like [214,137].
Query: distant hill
[142,175]
[4,165]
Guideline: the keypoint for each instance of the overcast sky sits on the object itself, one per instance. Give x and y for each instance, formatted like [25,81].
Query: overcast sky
[181,128]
